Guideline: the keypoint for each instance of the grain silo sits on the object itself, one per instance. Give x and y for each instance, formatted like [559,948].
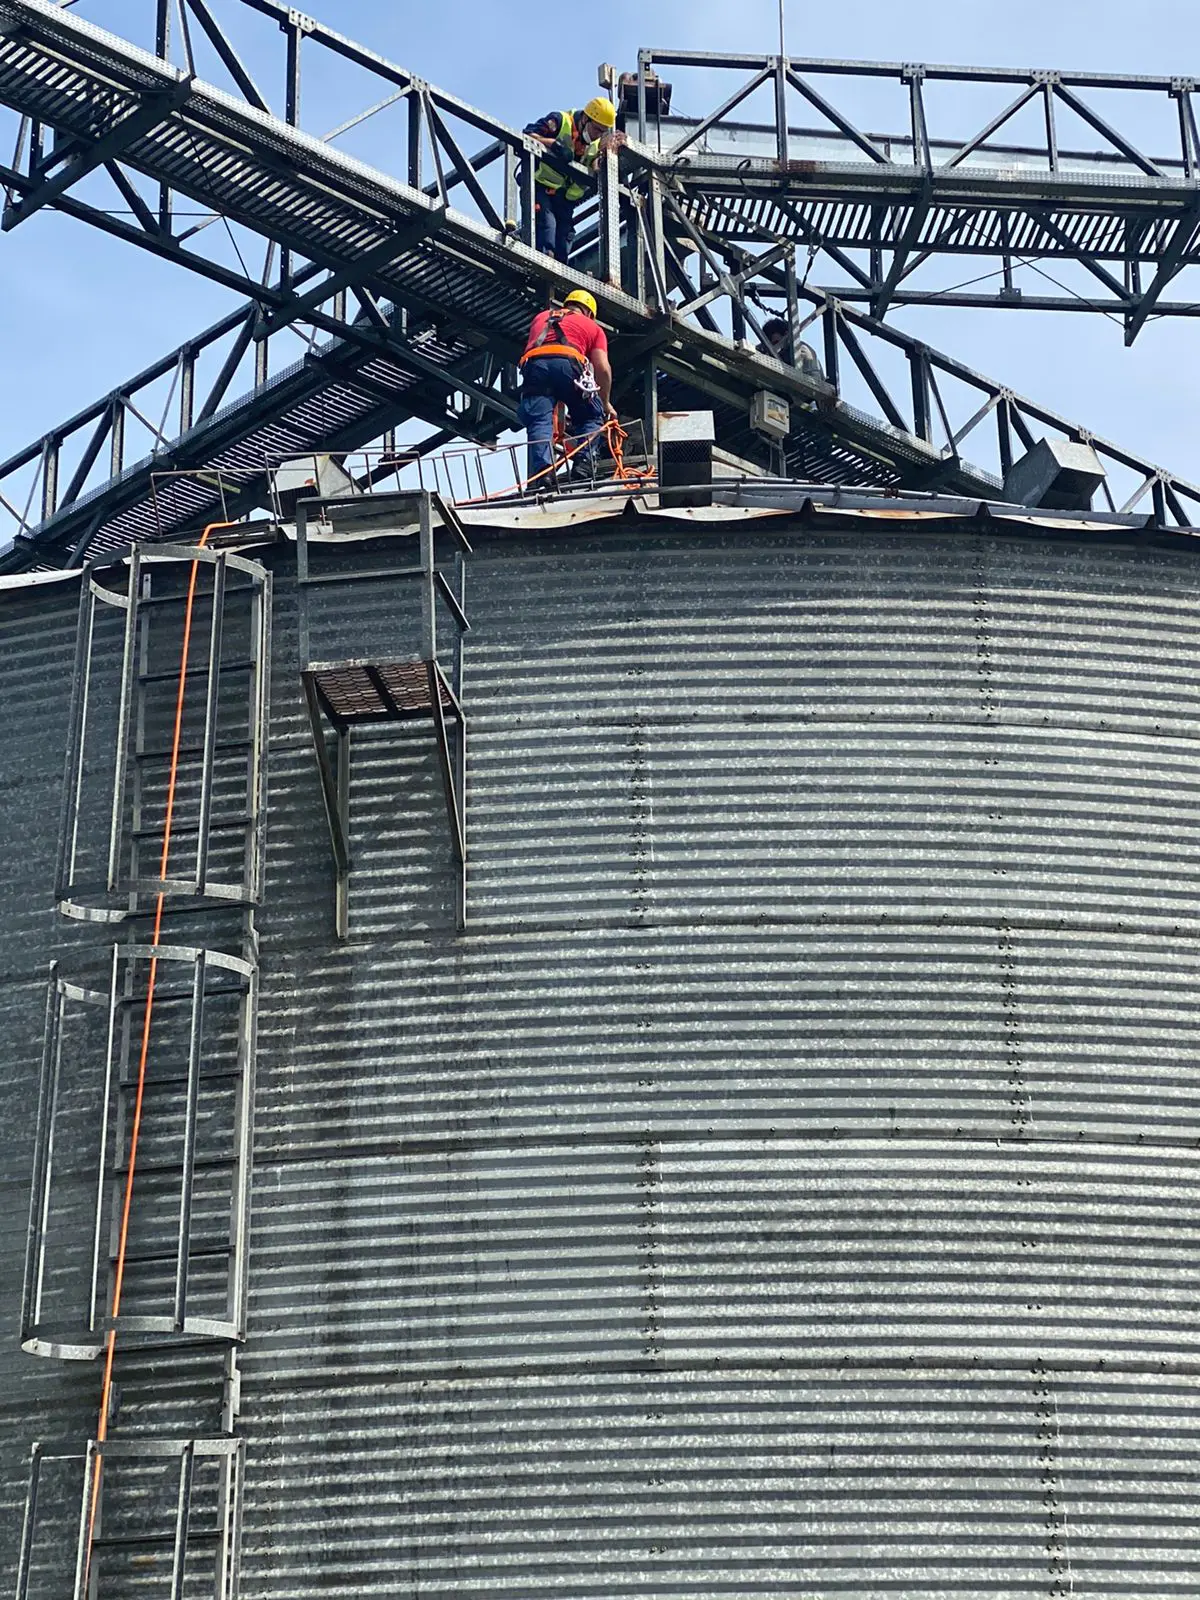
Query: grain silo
[783,1184]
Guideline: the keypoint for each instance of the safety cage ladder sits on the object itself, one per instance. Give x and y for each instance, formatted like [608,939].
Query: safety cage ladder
[136,1251]
[111,830]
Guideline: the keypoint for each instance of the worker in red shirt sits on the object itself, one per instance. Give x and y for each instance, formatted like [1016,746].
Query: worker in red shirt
[565,363]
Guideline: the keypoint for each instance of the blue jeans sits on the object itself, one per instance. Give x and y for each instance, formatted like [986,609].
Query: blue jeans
[547,381]
[554,226]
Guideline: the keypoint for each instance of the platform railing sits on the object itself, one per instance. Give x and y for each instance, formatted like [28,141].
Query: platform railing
[473,475]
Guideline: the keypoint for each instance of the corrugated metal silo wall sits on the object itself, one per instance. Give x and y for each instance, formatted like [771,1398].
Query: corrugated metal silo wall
[787,1186]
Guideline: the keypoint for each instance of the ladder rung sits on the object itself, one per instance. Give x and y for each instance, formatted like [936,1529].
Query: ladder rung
[146,1257]
[202,595]
[182,999]
[193,749]
[222,825]
[195,672]
[178,1079]
[172,1169]
[119,1541]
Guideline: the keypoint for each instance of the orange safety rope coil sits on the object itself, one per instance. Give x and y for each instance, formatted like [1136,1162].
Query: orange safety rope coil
[143,1056]
[615,436]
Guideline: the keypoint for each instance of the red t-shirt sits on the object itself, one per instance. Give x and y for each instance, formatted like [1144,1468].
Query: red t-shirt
[578,329]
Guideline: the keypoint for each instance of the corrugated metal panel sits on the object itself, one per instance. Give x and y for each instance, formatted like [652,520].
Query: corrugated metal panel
[859,822]
[1060,1035]
[660,1248]
[876,728]
[787,1185]
[37,646]
[803,1022]
[37,631]
[734,1482]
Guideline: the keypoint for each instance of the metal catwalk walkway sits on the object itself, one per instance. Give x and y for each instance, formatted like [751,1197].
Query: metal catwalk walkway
[999,163]
[443,299]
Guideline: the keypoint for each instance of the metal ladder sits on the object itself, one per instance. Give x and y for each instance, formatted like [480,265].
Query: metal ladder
[92,880]
[186,1273]
[154,1065]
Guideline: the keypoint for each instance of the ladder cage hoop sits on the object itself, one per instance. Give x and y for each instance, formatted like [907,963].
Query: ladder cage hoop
[185,1262]
[145,721]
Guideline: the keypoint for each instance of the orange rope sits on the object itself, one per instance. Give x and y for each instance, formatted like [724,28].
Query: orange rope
[568,455]
[615,436]
[143,1055]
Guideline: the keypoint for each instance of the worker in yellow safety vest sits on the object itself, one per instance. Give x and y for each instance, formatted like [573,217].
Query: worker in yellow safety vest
[568,138]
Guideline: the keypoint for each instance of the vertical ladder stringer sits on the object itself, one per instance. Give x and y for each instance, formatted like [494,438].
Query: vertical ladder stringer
[195,1482]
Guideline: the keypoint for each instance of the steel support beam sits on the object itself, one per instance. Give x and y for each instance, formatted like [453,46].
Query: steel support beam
[154,111]
[475,287]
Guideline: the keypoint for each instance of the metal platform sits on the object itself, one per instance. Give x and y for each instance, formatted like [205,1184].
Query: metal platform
[352,693]
[359,692]
[445,292]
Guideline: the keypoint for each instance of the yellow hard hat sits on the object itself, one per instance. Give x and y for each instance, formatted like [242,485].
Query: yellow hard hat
[580,297]
[602,111]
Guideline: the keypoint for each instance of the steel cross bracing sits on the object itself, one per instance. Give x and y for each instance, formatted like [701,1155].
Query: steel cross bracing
[1098,171]
[387,240]
[420,295]
[163,453]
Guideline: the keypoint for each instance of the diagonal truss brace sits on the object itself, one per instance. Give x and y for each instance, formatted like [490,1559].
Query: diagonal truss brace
[527,281]
[156,109]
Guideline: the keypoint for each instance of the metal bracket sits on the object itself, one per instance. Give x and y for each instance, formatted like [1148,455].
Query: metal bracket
[340,695]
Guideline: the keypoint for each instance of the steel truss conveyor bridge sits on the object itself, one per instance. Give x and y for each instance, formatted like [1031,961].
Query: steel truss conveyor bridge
[411,295]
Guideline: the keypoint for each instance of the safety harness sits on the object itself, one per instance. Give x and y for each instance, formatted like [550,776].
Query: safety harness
[552,341]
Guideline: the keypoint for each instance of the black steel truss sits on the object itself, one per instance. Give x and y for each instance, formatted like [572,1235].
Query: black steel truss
[88,488]
[421,291]
[1027,167]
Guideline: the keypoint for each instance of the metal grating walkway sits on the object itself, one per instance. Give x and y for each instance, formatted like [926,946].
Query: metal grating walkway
[332,210]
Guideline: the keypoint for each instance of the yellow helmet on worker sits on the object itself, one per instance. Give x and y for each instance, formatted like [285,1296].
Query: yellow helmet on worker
[602,112]
[580,297]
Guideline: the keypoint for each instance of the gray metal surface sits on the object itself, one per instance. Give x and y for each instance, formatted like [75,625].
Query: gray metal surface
[787,1185]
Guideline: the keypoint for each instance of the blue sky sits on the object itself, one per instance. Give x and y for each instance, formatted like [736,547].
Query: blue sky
[81,312]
